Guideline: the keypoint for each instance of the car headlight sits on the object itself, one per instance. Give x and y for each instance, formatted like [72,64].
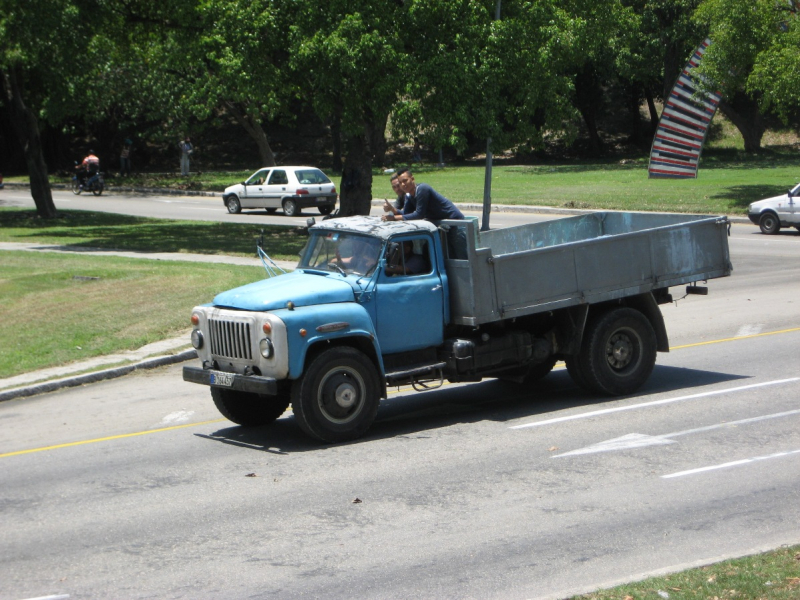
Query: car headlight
[266,348]
[197,339]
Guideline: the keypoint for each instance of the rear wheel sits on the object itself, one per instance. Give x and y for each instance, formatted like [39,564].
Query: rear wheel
[337,399]
[76,187]
[619,352]
[97,189]
[769,223]
[233,205]
[272,211]
[290,208]
[249,410]
[325,210]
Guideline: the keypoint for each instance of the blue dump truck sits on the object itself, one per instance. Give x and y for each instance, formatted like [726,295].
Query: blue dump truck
[374,305]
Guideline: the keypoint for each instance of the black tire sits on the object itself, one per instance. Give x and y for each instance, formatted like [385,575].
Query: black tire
[233,205]
[337,398]
[97,189]
[618,353]
[290,208]
[76,187]
[576,372]
[325,210]
[769,223]
[249,410]
[272,211]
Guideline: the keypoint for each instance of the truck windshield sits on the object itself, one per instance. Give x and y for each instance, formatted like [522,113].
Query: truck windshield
[341,252]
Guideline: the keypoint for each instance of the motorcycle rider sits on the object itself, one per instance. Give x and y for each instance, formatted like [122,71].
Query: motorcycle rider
[88,168]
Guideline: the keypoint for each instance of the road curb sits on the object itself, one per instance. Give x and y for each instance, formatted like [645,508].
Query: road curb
[112,373]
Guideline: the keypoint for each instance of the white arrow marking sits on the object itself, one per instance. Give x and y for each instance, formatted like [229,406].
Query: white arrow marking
[608,411]
[639,440]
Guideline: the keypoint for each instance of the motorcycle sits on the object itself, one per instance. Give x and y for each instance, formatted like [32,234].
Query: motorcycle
[94,184]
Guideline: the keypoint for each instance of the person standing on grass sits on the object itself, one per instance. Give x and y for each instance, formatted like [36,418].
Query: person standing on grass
[125,159]
[186,151]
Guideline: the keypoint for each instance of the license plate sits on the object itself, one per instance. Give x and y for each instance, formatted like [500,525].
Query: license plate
[222,379]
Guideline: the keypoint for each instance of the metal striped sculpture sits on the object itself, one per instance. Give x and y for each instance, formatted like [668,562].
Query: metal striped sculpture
[684,124]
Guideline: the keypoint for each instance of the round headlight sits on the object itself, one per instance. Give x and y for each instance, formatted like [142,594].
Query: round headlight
[266,348]
[197,339]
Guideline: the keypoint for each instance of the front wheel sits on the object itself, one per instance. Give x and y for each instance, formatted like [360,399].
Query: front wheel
[337,399]
[290,208]
[249,410]
[76,187]
[618,354]
[233,205]
[769,223]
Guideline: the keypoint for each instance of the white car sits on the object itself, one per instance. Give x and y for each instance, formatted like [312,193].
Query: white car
[773,213]
[289,188]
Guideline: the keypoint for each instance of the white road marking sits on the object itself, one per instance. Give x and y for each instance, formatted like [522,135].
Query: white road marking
[180,416]
[640,440]
[734,463]
[608,411]
[746,330]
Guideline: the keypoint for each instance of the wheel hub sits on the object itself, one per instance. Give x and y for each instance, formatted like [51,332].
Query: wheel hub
[346,395]
[619,351]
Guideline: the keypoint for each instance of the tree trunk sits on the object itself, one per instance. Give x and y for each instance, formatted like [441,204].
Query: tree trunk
[378,141]
[27,129]
[336,136]
[651,107]
[355,197]
[588,95]
[255,131]
[744,114]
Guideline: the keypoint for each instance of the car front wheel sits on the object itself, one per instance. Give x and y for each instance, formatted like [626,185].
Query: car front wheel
[769,223]
[233,205]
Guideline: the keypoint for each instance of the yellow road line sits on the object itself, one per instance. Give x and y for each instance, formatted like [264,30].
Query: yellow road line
[127,435]
[105,439]
[733,339]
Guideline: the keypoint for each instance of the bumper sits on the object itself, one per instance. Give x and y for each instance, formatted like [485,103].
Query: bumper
[312,201]
[254,384]
[754,217]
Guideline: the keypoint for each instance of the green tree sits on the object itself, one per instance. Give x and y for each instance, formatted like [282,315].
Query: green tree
[348,57]
[743,32]
[44,56]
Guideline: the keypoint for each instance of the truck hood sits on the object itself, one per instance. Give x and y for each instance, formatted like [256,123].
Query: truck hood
[303,289]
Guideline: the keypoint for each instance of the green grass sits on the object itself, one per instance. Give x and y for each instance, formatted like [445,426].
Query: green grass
[60,308]
[769,576]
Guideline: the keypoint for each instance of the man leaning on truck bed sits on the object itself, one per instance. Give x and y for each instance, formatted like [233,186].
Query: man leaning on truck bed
[427,202]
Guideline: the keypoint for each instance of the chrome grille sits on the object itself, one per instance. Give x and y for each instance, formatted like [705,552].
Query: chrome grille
[230,339]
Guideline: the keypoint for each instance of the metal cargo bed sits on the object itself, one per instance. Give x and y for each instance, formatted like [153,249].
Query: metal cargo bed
[591,258]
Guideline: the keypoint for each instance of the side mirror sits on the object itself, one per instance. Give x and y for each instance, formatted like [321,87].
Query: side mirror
[790,194]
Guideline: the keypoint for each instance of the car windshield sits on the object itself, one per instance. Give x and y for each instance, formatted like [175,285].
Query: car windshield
[341,252]
[311,176]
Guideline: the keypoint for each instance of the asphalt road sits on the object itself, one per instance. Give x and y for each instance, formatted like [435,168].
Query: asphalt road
[206,208]
[136,488]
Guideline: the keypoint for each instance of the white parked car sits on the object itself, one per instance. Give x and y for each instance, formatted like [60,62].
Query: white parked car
[289,188]
[773,213]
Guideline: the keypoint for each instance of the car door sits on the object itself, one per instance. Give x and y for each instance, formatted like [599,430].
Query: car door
[793,215]
[276,189]
[253,193]
[410,308]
